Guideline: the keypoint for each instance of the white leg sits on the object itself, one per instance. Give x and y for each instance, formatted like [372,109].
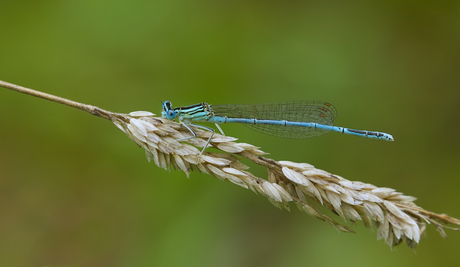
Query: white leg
[190,129]
[194,136]
[220,129]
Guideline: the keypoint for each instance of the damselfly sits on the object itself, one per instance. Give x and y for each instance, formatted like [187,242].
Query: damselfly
[299,119]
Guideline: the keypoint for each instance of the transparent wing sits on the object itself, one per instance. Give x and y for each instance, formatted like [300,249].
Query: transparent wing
[299,111]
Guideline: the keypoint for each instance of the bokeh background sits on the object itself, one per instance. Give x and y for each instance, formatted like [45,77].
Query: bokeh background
[74,191]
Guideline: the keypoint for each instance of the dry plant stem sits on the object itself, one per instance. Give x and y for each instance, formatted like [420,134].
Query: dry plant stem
[394,215]
[88,108]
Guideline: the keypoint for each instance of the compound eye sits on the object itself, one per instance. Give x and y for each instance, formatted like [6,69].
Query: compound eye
[171,113]
[166,105]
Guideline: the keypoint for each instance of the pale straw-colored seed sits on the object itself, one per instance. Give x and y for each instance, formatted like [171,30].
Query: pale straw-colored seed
[285,196]
[236,181]
[300,194]
[367,221]
[180,163]
[217,138]
[402,198]
[137,133]
[331,188]
[145,123]
[347,198]
[296,166]
[313,190]
[295,176]
[139,126]
[238,165]
[396,211]
[383,192]
[351,185]
[317,173]
[374,211]
[215,161]
[141,114]
[272,177]
[251,149]
[367,196]
[271,192]
[350,213]
[334,199]
[318,180]
[226,176]
[383,229]
[229,147]
[310,210]
[234,171]
[323,195]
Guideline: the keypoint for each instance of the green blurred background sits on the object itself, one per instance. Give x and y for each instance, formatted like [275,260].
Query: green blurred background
[74,190]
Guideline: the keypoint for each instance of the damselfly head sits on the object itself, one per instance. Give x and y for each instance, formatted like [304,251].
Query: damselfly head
[168,112]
